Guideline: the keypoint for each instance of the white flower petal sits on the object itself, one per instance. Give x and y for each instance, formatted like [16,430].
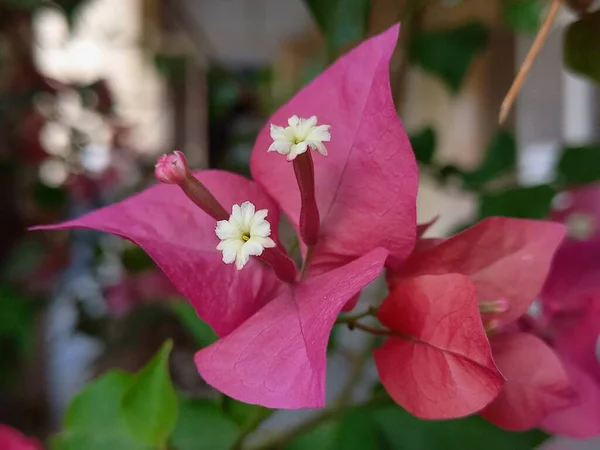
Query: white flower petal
[299,135]
[320,133]
[241,260]
[278,133]
[293,121]
[261,229]
[254,246]
[318,146]
[247,215]
[226,230]
[236,217]
[245,234]
[230,249]
[282,147]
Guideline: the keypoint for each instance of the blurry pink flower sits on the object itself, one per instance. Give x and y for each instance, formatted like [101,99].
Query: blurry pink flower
[579,209]
[12,439]
[138,288]
[507,261]
[352,209]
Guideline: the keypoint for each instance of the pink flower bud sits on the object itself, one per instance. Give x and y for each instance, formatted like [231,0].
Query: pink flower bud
[172,168]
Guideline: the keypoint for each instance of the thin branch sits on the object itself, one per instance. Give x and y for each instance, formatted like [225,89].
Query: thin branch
[529,59]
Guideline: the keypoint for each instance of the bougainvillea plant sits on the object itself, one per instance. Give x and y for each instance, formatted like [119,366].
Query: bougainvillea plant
[336,161]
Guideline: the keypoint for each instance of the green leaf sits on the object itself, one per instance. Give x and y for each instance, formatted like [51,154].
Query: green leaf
[579,165]
[202,426]
[523,16]
[149,405]
[423,144]
[500,158]
[16,319]
[527,202]
[341,21]
[94,421]
[241,413]
[581,49]
[405,432]
[354,430]
[320,437]
[359,431]
[199,330]
[449,53]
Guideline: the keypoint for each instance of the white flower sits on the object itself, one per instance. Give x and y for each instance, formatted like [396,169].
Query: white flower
[245,234]
[299,136]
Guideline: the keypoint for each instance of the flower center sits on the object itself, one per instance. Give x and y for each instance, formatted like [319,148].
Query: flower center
[246,236]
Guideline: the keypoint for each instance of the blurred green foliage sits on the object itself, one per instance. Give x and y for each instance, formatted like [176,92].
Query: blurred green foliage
[582,46]
[449,53]
[500,158]
[342,22]
[94,420]
[423,144]
[149,405]
[523,16]
[389,427]
[579,165]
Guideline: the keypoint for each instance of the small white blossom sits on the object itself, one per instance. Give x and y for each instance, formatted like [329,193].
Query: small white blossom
[245,234]
[299,136]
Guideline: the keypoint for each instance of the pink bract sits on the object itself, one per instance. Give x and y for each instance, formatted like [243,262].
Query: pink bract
[12,439]
[366,187]
[274,334]
[537,384]
[440,366]
[278,357]
[507,260]
[181,239]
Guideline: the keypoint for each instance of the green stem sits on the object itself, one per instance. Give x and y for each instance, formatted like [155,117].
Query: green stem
[307,260]
[372,330]
[279,442]
[372,311]
[251,425]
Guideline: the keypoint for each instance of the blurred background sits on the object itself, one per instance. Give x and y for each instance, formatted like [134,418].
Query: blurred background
[92,91]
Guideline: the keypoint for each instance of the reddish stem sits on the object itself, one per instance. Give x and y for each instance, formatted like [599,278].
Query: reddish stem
[309,213]
[284,267]
[202,197]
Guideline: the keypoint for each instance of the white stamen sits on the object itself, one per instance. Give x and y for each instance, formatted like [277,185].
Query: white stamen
[245,234]
[298,136]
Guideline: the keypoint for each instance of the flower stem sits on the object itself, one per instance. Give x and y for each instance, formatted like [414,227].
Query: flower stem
[306,263]
[309,212]
[372,330]
[351,319]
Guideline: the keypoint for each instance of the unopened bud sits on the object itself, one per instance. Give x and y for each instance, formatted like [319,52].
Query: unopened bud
[172,168]
[494,307]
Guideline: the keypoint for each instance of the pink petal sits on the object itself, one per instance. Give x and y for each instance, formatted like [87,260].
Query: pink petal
[181,239]
[277,358]
[536,382]
[577,338]
[574,278]
[582,418]
[443,368]
[366,188]
[581,201]
[11,439]
[506,258]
